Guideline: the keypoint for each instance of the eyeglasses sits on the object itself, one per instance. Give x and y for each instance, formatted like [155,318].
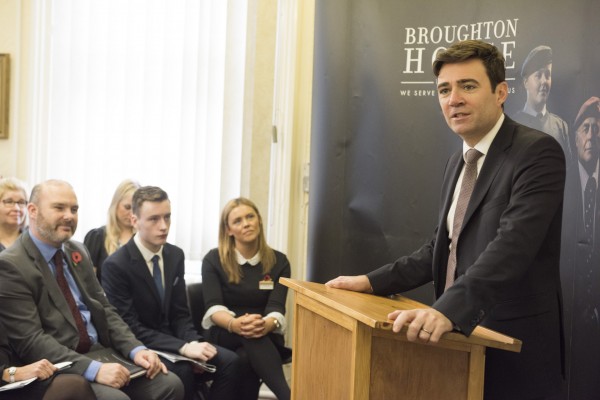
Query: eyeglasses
[9,203]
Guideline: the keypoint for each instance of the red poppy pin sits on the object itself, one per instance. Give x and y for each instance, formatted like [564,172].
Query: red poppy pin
[76,257]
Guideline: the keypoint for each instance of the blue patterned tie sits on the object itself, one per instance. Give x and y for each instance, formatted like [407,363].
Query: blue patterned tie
[158,277]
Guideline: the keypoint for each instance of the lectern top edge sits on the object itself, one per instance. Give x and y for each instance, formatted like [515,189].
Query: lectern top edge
[372,311]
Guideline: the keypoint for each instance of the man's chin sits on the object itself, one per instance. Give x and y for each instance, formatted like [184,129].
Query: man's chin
[65,236]
[56,238]
[543,98]
[159,242]
[64,232]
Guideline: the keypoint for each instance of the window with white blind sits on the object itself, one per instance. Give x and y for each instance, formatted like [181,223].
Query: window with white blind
[148,90]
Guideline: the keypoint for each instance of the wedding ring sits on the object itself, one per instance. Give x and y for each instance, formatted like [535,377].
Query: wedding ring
[426,331]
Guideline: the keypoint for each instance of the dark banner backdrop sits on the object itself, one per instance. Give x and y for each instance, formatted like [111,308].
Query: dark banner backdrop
[380,143]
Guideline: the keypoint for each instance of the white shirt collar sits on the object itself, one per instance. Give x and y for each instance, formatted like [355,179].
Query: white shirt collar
[255,260]
[483,146]
[147,254]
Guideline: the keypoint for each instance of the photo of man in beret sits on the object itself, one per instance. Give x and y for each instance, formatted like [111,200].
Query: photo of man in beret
[581,250]
[537,80]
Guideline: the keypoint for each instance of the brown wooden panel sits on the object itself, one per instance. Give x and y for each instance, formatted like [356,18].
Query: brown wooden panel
[361,361]
[325,311]
[476,372]
[322,358]
[404,370]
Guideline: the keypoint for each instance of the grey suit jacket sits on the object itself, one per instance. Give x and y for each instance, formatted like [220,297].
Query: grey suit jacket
[508,257]
[38,320]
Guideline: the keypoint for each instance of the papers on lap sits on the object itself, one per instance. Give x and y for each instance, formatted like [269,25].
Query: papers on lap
[176,358]
[20,384]
[17,385]
[108,355]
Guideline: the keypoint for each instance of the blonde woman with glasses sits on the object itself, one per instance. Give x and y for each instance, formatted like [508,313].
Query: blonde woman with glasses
[13,211]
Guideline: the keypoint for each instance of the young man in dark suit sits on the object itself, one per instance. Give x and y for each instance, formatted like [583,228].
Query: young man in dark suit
[503,256]
[145,281]
[54,308]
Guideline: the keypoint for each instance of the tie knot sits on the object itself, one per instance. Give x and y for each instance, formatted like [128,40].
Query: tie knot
[472,156]
[155,259]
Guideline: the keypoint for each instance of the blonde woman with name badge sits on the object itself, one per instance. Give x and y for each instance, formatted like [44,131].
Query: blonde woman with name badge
[244,300]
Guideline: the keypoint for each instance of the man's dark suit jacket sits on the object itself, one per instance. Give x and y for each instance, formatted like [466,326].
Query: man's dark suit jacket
[130,288]
[508,257]
[37,317]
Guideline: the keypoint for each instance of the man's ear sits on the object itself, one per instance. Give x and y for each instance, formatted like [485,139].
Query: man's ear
[32,210]
[501,92]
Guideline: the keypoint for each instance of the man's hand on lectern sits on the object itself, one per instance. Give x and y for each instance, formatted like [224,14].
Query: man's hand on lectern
[425,324]
[359,283]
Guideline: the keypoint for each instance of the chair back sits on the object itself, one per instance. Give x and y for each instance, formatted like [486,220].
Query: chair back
[196,305]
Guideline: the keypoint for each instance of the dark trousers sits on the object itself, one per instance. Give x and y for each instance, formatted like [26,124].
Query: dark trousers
[260,359]
[225,380]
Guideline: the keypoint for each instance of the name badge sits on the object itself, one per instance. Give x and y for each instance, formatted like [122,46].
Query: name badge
[266,283]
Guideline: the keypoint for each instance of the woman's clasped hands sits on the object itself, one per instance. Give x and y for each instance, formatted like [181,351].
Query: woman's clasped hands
[250,326]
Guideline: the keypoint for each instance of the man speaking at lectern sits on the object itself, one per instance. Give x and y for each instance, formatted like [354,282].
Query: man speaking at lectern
[494,256]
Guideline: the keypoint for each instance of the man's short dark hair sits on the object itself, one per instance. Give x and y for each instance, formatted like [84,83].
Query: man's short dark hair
[491,57]
[147,193]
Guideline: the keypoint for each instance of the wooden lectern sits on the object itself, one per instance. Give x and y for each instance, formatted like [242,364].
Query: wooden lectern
[344,349]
